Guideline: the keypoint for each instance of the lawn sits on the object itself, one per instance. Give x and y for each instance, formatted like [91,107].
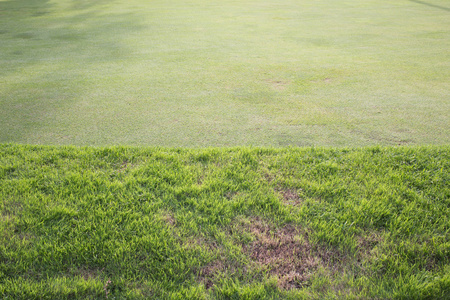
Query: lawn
[239,223]
[145,149]
[197,73]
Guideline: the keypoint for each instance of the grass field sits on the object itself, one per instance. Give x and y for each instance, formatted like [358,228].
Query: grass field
[190,73]
[240,223]
[213,204]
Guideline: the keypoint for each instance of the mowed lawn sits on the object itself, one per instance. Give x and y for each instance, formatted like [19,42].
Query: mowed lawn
[224,73]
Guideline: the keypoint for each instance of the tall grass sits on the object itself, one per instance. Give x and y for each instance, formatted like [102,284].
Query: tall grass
[247,223]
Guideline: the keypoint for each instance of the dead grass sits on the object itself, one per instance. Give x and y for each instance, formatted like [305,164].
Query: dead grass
[124,166]
[286,252]
[290,197]
[169,219]
[230,195]
[279,85]
[368,240]
[88,273]
[11,208]
[367,246]
[200,242]
[209,273]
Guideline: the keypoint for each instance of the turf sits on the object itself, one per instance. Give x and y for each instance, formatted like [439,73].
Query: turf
[191,73]
[234,223]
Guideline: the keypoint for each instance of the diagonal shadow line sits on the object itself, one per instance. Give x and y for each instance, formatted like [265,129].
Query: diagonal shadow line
[432,5]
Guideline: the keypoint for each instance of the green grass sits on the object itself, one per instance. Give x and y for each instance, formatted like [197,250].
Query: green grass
[225,73]
[224,223]
[236,223]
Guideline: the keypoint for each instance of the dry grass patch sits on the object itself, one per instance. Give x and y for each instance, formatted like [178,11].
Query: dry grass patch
[279,85]
[209,273]
[287,253]
[87,273]
[168,219]
[368,241]
[10,208]
[290,197]
[124,166]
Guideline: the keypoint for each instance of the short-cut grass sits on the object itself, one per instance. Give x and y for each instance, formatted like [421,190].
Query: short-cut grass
[225,72]
[239,223]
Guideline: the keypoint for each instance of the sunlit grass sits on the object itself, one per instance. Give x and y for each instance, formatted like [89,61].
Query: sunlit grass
[239,223]
[224,73]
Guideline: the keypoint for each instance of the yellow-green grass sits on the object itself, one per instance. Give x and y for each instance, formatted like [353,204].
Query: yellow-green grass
[236,223]
[225,73]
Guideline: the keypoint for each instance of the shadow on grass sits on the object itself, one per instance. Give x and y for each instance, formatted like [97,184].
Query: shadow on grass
[431,5]
[42,46]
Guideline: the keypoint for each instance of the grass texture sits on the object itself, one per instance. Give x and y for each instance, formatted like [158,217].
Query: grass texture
[235,223]
[196,73]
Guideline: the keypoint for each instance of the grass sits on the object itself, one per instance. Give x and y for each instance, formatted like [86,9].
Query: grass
[124,222]
[224,73]
[230,223]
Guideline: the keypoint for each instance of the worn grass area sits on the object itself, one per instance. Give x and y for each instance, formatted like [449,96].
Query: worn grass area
[225,72]
[239,223]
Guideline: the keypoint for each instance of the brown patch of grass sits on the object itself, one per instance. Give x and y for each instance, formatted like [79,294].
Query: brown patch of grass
[285,252]
[230,195]
[169,219]
[11,208]
[208,273]
[25,236]
[369,240]
[366,244]
[268,176]
[124,166]
[290,197]
[201,242]
[222,267]
[331,258]
[278,84]
[88,273]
